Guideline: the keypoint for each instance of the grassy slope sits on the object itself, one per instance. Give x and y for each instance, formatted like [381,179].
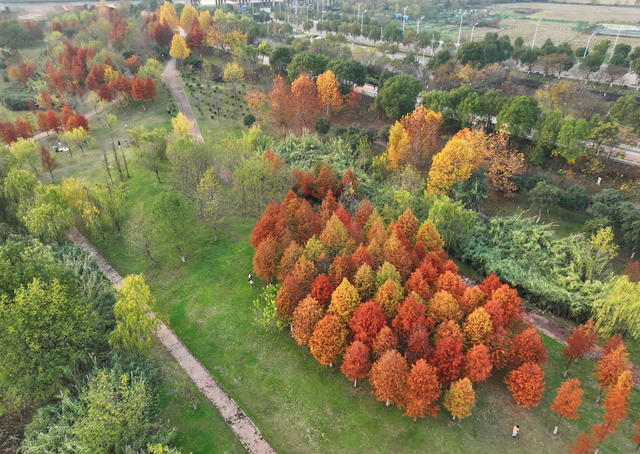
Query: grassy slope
[303,407]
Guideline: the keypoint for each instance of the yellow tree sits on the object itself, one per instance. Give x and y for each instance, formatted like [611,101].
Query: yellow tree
[329,92]
[188,15]
[179,47]
[398,147]
[460,156]
[77,137]
[205,20]
[168,15]
[233,73]
[181,125]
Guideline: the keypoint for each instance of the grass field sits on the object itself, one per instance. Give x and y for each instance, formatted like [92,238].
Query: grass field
[299,405]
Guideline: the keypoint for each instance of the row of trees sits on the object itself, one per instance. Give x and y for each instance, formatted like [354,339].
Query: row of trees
[387,301]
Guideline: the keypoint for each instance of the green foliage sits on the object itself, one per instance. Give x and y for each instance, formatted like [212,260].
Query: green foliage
[169,212]
[572,139]
[453,222]
[112,413]
[553,272]
[323,125]
[398,95]
[48,330]
[544,195]
[135,329]
[618,308]
[266,314]
[280,58]
[13,36]
[518,115]
[307,62]
[51,216]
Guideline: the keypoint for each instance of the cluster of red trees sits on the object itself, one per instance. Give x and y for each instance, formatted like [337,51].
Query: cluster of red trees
[317,186]
[47,121]
[385,300]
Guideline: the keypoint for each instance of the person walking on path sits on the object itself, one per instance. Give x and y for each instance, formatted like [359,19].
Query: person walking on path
[515,433]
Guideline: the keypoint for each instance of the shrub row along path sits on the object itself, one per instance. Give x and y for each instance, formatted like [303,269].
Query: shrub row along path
[171,77]
[236,419]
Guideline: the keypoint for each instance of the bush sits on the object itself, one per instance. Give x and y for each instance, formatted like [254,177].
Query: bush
[526,182]
[323,125]
[249,119]
[575,198]
[383,134]
[16,100]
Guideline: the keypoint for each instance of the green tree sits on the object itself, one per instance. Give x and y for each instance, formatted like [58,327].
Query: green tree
[208,198]
[21,186]
[547,137]
[307,62]
[50,217]
[280,58]
[604,131]
[518,115]
[77,137]
[25,153]
[189,159]
[453,222]
[349,72]
[233,74]
[47,332]
[138,232]
[150,147]
[398,95]
[618,309]
[169,213]
[572,139]
[135,322]
[13,36]
[544,196]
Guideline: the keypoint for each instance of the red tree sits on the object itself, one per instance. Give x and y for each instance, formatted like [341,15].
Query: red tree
[579,343]
[149,88]
[105,93]
[8,131]
[385,340]
[447,359]
[477,363]
[265,258]
[367,321]
[138,89]
[411,316]
[356,362]
[48,162]
[451,283]
[527,347]
[65,114]
[422,390]
[321,289]
[133,63]
[76,121]
[53,120]
[42,122]
[388,377]
[195,38]
[266,225]
[23,129]
[490,284]
[526,384]
[162,34]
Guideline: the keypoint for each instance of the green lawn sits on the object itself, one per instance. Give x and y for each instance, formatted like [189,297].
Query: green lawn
[303,407]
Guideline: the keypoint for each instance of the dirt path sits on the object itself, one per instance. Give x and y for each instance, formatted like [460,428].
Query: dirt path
[171,77]
[236,419]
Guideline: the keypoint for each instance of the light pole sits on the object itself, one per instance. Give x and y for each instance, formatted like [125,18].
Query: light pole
[535,34]
[362,21]
[433,39]
[472,29]
[586,49]
[616,42]
[459,31]
[404,18]
[418,26]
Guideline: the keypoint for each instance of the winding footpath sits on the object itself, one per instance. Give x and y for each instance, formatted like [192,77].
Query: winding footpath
[236,419]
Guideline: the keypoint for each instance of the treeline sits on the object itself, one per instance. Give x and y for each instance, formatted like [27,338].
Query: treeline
[67,380]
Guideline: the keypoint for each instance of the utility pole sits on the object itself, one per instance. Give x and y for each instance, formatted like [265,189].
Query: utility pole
[616,42]
[472,29]
[404,18]
[362,22]
[586,49]
[459,31]
[418,27]
[535,34]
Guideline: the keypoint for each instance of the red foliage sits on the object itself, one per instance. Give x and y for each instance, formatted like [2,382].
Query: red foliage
[42,121]
[447,359]
[526,384]
[8,132]
[162,34]
[133,63]
[356,362]
[23,129]
[584,445]
[76,121]
[612,343]
[490,284]
[388,377]
[510,303]
[472,298]
[265,258]
[527,347]
[53,120]
[611,366]
[325,181]
[138,89]
[305,317]
[451,283]
[411,316]
[417,283]
[363,213]
[568,399]
[632,271]
[65,114]
[195,38]
[367,321]
[580,342]
[328,340]
[105,93]
[341,268]
[95,77]
[321,289]
[418,345]
[385,340]
[149,88]
[266,225]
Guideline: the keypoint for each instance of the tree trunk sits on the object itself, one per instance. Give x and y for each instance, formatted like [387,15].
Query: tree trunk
[153,262]
[106,165]
[215,233]
[70,152]
[387,403]
[158,176]
[126,167]
[51,173]
[355,382]
[181,255]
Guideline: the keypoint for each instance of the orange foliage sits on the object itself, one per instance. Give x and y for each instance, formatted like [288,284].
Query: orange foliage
[580,342]
[527,347]
[304,102]
[477,326]
[411,316]
[568,399]
[424,130]
[328,340]
[451,283]
[472,298]
[305,317]
[526,384]
[443,306]
[385,340]
[265,259]
[388,377]
[422,390]
[418,345]
[477,363]
[367,321]
[447,359]
[356,362]
[611,366]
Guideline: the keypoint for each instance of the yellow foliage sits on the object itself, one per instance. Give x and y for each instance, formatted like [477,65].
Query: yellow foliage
[398,147]
[329,92]
[189,14]
[181,125]
[179,47]
[168,15]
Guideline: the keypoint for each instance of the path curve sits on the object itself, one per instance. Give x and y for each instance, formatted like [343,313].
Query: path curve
[237,420]
[171,77]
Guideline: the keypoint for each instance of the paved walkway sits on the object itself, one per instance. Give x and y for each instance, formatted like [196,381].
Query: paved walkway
[171,77]
[236,419]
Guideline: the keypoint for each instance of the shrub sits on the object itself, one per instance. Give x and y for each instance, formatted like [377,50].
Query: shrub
[249,119]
